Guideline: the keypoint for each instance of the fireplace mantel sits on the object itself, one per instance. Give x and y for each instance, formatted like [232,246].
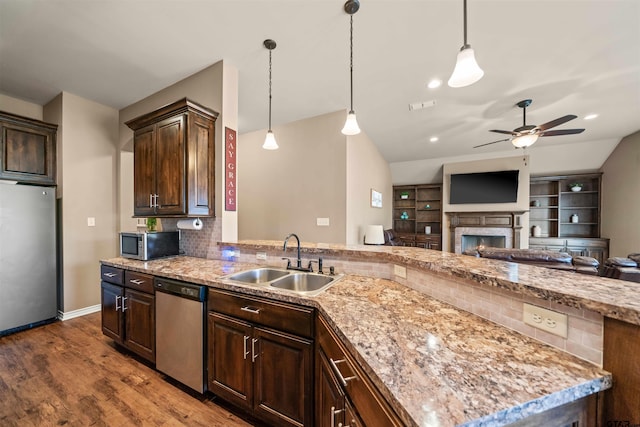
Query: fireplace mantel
[509,222]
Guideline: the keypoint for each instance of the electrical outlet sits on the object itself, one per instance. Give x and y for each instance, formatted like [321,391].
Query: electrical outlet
[547,320]
[400,271]
[261,255]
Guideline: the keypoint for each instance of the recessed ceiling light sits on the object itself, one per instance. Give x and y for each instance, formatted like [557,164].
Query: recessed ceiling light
[590,116]
[433,139]
[435,83]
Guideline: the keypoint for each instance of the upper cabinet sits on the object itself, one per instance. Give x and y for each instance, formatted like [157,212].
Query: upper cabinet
[174,161]
[28,150]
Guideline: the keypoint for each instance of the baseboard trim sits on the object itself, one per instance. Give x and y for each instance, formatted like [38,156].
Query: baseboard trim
[80,312]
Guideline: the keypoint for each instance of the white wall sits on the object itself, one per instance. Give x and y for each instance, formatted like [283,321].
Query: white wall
[87,147]
[621,197]
[366,170]
[520,163]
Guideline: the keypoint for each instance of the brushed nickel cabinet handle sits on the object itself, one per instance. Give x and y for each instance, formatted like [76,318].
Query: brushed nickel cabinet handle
[334,366]
[136,281]
[251,309]
[246,350]
[117,306]
[334,412]
[109,275]
[254,356]
[124,307]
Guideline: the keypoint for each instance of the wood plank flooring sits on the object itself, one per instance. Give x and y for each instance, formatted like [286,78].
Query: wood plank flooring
[69,374]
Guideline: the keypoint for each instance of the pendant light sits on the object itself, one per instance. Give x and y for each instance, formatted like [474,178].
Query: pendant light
[467,70]
[351,124]
[270,141]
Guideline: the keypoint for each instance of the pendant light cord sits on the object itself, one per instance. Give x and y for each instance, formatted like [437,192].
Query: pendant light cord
[465,24]
[351,60]
[269,89]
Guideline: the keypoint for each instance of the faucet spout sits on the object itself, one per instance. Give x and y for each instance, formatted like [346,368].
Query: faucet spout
[284,248]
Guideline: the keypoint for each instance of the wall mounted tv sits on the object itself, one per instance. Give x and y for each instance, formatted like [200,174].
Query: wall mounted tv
[484,187]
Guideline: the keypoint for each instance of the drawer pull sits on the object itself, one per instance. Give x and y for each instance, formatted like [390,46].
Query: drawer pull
[109,275]
[251,309]
[334,366]
[136,281]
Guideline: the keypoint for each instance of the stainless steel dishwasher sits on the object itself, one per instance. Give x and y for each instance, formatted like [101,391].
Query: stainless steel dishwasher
[181,332]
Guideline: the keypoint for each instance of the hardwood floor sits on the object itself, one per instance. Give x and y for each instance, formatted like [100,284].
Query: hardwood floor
[68,373]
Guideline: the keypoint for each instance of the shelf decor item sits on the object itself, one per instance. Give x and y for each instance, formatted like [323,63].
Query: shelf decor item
[404,215]
[427,206]
[535,203]
[152,224]
[576,186]
[574,218]
[404,195]
[536,231]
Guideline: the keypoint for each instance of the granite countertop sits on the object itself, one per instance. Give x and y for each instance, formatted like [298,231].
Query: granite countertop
[437,365]
[613,298]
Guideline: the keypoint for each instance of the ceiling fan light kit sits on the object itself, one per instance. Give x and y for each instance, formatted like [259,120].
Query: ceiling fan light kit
[351,124]
[467,71]
[526,135]
[270,140]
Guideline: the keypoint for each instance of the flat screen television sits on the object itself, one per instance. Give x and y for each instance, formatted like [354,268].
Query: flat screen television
[484,187]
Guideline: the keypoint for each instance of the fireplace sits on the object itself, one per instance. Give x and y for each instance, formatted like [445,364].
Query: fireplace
[490,229]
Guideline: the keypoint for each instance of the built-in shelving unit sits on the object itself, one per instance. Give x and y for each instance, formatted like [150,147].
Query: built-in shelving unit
[416,210]
[568,220]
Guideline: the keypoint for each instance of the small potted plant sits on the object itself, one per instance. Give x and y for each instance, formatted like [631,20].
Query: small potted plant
[404,195]
[151,224]
[576,186]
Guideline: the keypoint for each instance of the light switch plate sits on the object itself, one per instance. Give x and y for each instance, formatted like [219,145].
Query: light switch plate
[91,222]
[323,222]
[547,320]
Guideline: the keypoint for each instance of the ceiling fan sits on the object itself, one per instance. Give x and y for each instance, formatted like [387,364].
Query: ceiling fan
[525,135]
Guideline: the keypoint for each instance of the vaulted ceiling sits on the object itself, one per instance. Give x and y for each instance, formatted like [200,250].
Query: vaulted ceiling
[570,56]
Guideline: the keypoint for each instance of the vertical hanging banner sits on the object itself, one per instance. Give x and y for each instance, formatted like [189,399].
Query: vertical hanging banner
[230,169]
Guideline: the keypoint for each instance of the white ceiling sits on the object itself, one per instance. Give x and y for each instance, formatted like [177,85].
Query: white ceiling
[570,56]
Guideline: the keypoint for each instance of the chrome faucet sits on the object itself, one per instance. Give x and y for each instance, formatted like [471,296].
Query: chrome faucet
[298,261]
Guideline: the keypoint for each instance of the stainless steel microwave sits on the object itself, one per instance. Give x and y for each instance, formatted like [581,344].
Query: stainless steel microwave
[145,246]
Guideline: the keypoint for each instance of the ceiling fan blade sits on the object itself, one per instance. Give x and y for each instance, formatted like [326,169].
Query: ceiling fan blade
[506,132]
[556,122]
[561,132]
[494,142]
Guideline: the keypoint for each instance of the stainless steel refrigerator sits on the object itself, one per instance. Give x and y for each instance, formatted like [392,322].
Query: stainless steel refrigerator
[28,290]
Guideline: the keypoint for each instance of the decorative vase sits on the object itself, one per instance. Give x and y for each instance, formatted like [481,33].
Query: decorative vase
[574,218]
[576,188]
[427,229]
[536,231]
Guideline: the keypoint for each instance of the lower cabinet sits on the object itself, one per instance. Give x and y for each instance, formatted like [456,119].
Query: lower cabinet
[128,315]
[258,361]
[595,248]
[344,394]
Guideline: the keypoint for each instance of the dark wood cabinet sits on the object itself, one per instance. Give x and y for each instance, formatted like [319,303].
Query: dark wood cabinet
[345,393]
[417,215]
[174,161]
[595,248]
[128,310]
[257,367]
[28,150]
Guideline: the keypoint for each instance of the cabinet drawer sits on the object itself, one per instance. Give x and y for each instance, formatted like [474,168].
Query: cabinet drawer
[140,281]
[285,317]
[111,274]
[367,400]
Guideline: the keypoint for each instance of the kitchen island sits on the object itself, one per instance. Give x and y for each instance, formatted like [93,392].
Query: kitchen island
[434,363]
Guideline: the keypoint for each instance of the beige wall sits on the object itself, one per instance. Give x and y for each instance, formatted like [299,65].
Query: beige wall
[621,197]
[366,170]
[20,107]
[87,139]
[215,87]
[520,163]
[284,191]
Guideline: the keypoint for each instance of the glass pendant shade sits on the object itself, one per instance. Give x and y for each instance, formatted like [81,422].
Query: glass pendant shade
[270,141]
[524,141]
[467,70]
[351,124]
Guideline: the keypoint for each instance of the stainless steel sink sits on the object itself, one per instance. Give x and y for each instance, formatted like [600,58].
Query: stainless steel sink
[305,283]
[298,282]
[258,275]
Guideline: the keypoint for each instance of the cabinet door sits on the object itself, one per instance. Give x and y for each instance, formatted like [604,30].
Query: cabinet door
[28,154]
[229,362]
[112,318]
[144,171]
[330,398]
[283,370]
[140,313]
[170,166]
[201,163]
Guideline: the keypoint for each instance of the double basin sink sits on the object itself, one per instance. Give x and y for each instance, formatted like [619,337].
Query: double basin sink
[298,282]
